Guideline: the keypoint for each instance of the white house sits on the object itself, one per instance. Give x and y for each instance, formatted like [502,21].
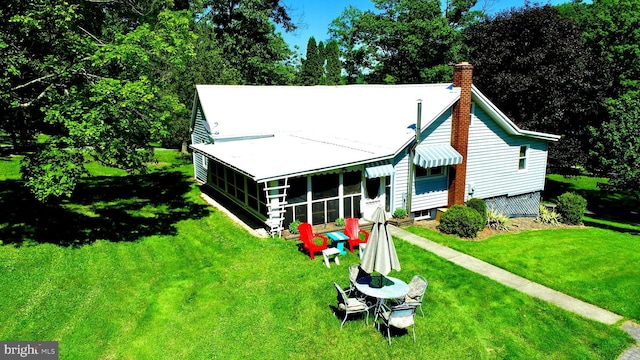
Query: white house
[319,153]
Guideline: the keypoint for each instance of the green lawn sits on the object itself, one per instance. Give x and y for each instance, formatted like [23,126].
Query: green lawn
[137,268]
[597,265]
[610,205]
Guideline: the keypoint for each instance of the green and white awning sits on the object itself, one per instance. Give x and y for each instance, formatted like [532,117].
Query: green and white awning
[428,156]
[377,170]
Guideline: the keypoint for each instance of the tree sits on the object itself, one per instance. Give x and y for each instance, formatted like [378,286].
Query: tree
[534,66]
[616,144]
[80,73]
[334,65]
[322,59]
[611,28]
[354,48]
[403,41]
[313,65]
[245,31]
[115,114]
[103,79]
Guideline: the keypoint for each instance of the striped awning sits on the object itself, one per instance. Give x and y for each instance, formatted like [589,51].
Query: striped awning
[378,170]
[428,156]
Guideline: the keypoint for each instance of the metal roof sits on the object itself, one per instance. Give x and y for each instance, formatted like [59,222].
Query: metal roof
[270,132]
[314,128]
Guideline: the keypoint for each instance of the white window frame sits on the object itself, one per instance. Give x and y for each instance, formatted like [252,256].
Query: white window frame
[523,159]
[428,171]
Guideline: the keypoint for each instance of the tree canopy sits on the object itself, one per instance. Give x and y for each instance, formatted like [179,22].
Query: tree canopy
[611,28]
[312,65]
[106,79]
[533,65]
[402,41]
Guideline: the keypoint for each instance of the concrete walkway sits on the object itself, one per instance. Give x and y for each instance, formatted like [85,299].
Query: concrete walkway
[526,286]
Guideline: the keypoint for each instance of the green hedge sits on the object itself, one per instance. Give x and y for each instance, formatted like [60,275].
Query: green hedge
[462,221]
[479,206]
[571,208]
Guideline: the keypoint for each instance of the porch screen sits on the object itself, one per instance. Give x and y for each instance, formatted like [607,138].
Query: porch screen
[324,192]
[351,182]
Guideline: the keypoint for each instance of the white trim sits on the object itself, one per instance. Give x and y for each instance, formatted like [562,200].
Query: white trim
[504,121]
[524,157]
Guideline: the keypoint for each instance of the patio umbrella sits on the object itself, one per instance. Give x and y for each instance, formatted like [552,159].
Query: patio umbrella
[380,254]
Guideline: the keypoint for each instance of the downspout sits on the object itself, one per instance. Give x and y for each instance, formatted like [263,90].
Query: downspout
[412,150]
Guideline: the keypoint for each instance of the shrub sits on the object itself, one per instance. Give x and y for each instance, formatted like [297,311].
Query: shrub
[340,222]
[548,217]
[497,220]
[462,221]
[571,208]
[479,206]
[293,226]
[399,213]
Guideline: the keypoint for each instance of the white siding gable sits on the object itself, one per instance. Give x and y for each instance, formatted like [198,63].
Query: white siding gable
[492,160]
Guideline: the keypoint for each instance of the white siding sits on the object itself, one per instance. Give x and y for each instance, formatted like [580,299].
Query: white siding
[492,164]
[199,136]
[427,193]
[492,160]
[400,182]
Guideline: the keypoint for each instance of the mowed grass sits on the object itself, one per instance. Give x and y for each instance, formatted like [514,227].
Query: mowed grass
[610,205]
[597,265]
[203,288]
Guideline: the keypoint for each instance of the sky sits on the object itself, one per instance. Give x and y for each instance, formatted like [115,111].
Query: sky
[314,16]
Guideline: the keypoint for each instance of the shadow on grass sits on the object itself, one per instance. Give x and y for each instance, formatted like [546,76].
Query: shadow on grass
[241,213]
[104,208]
[613,226]
[611,206]
[605,204]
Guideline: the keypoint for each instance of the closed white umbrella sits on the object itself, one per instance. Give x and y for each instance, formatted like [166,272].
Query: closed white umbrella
[380,253]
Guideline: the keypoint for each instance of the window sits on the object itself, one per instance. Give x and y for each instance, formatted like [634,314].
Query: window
[297,191]
[324,186]
[373,188]
[351,182]
[434,171]
[522,159]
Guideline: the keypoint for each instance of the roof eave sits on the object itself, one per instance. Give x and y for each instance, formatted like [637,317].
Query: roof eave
[263,179]
[505,122]
[320,170]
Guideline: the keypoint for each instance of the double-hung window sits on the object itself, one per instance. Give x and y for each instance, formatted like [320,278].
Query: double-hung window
[522,158]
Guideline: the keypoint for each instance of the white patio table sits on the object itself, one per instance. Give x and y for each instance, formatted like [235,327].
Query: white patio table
[397,290]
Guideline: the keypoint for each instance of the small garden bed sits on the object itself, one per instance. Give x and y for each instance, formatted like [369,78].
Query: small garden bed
[401,222]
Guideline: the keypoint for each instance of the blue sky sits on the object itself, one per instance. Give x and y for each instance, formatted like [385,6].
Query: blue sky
[314,16]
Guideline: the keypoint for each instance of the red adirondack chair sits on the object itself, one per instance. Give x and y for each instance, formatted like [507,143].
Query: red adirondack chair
[353,231]
[307,236]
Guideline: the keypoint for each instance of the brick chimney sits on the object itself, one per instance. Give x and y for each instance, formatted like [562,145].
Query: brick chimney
[462,74]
